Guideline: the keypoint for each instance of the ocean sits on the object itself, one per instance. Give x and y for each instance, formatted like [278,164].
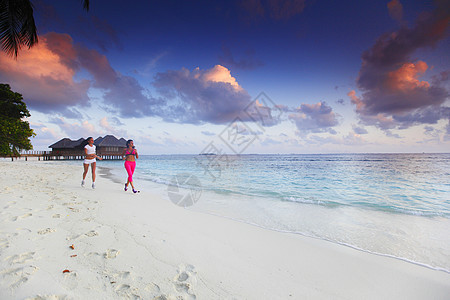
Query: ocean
[395,205]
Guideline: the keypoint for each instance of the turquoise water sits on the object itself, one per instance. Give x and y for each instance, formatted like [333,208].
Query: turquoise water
[390,204]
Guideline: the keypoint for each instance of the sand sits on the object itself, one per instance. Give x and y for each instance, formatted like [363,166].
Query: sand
[141,246]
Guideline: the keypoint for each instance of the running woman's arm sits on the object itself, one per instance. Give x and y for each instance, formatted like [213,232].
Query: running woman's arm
[137,155]
[86,154]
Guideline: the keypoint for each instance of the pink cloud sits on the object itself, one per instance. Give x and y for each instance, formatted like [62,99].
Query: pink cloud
[405,78]
[211,95]
[220,74]
[392,94]
[43,76]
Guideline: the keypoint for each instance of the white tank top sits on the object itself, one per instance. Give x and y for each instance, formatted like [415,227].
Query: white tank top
[90,150]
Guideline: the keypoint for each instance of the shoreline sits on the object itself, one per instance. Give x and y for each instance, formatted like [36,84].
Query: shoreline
[353,247]
[109,175]
[130,245]
[106,173]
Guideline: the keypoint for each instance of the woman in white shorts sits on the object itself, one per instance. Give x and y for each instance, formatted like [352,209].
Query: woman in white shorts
[90,156]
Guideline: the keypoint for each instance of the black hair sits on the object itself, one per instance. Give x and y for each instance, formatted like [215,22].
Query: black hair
[128,143]
[86,141]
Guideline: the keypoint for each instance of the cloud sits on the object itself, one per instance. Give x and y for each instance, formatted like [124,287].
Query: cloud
[432,132]
[99,32]
[269,141]
[359,130]
[393,95]
[44,132]
[211,95]
[123,94]
[148,68]
[208,133]
[395,10]
[93,29]
[352,139]
[314,118]
[77,129]
[110,129]
[116,121]
[447,132]
[394,135]
[247,62]
[340,101]
[44,76]
[45,136]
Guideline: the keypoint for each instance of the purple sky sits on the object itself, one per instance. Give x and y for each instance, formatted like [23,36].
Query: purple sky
[300,76]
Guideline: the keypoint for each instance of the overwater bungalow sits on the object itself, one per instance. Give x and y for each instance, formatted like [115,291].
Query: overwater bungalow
[109,147]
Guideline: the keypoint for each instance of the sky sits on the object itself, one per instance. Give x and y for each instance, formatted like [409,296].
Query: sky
[251,76]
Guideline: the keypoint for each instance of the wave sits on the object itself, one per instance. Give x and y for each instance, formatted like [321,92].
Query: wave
[271,195]
[436,268]
[365,205]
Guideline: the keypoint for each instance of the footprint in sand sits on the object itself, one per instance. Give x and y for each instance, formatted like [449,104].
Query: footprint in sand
[111,253]
[121,282]
[49,297]
[185,281]
[91,233]
[95,257]
[46,231]
[20,258]
[152,289]
[127,291]
[73,237]
[17,276]
[71,280]
[9,204]
[56,216]
[72,203]
[161,297]
[115,277]
[21,231]
[4,244]
[74,209]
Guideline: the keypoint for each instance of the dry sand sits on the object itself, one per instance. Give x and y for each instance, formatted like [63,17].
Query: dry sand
[141,246]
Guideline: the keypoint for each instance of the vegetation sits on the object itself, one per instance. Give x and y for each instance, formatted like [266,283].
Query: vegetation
[17,26]
[14,131]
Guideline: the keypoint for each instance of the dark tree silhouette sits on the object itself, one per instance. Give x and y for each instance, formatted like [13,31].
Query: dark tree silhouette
[15,132]
[17,26]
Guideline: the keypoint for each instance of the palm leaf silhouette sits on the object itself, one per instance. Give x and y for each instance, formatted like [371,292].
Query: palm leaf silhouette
[17,26]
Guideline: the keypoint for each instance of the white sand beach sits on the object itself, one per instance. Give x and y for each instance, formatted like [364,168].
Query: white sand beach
[140,246]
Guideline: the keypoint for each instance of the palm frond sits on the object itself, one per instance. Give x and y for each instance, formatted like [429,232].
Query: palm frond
[86,4]
[17,26]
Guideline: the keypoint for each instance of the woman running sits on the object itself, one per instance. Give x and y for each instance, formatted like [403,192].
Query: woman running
[90,156]
[129,155]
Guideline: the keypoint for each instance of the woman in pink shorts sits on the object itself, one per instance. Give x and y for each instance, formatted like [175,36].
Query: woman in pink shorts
[129,155]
